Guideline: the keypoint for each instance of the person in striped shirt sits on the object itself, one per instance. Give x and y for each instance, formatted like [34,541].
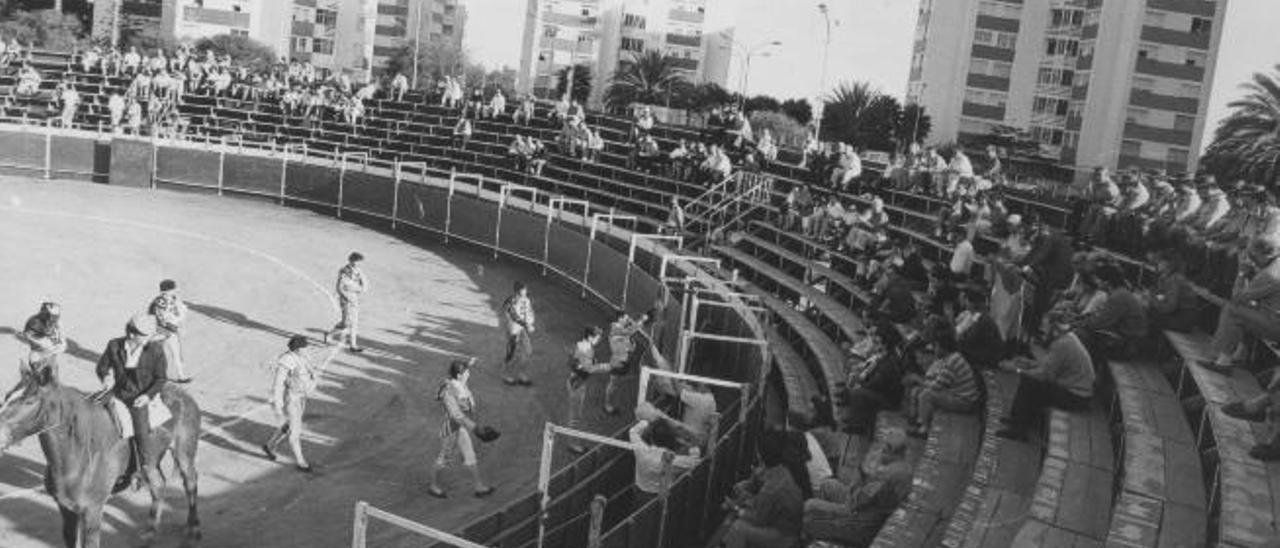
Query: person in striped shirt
[949,382]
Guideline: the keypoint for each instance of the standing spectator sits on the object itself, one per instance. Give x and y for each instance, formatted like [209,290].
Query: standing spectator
[294,380]
[1063,378]
[352,284]
[132,60]
[875,385]
[675,217]
[455,433]
[70,99]
[621,332]
[770,505]
[1050,263]
[1173,305]
[977,335]
[582,364]
[963,257]
[517,315]
[399,86]
[170,313]
[653,436]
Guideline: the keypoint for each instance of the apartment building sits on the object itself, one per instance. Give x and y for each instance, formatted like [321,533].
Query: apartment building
[603,33]
[185,20]
[406,23]
[1113,83]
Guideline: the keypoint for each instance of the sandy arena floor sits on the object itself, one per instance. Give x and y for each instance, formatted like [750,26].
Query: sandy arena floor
[253,273]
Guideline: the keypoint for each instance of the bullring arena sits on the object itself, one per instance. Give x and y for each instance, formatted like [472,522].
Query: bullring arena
[253,213]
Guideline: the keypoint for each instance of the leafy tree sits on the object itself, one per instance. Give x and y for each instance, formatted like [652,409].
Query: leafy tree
[436,59]
[45,29]
[242,49]
[761,102]
[861,116]
[651,78]
[798,109]
[1246,145]
[702,97]
[582,81]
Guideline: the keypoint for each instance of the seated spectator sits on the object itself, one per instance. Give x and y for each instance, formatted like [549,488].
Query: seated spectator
[874,384]
[1116,329]
[538,159]
[963,256]
[116,108]
[854,518]
[767,147]
[893,300]
[977,335]
[949,383]
[520,152]
[28,81]
[1254,306]
[847,169]
[959,172]
[678,161]
[595,146]
[560,113]
[475,104]
[1063,378]
[69,98]
[941,294]
[497,105]
[913,269]
[811,149]
[132,61]
[642,125]
[399,86]
[647,153]
[653,436]
[462,132]
[524,112]
[1173,304]
[769,506]
[88,60]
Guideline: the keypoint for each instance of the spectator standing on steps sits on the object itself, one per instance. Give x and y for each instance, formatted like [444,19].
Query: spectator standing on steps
[517,315]
[352,284]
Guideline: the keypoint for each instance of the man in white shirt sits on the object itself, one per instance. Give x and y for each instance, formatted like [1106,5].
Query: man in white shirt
[653,436]
[293,381]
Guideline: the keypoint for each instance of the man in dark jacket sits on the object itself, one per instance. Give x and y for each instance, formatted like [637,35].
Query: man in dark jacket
[1049,262]
[977,332]
[133,368]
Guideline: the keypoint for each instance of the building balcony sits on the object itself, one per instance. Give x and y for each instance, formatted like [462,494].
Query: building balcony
[206,16]
[684,16]
[303,28]
[1074,123]
[992,53]
[1149,164]
[568,20]
[685,64]
[1191,7]
[1172,37]
[1148,99]
[389,9]
[387,30]
[1068,156]
[141,9]
[984,81]
[1170,70]
[1079,93]
[1084,63]
[305,3]
[1157,134]
[1089,32]
[997,23]
[988,112]
[684,40]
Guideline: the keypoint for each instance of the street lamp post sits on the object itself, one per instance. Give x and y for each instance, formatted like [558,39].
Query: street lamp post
[822,82]
[747,54]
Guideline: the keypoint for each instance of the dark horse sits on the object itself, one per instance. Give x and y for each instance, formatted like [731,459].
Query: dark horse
[86,454]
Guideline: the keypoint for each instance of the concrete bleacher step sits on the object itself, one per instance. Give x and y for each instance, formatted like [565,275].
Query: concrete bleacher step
[963,517]
[797,381]
[1244,491]
[841,286]
[1162,496]
[1071,504]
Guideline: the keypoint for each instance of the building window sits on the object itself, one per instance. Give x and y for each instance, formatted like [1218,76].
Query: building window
[240,32]
[1183,122]
[1066,18]
[326,18]
[300,43]
[550,31]
[632,44]
[1006,41]
[1196,58]
[1063,47]
[322,46]
[634,21]
[1132,149]
[1201,26]
[984,37]
[1177,157]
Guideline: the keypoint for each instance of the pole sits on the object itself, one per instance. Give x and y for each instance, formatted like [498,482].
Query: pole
[822,82]
[417,42]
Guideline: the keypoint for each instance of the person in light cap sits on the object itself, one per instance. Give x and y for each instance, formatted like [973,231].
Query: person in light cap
[133,369]
[170,314]
[43,333]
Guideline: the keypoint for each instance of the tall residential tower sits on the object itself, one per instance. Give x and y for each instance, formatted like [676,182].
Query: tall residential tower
[1113,83]
[603,33]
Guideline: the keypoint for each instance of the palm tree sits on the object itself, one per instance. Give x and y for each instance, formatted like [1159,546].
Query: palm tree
[650,78]
[1246,144]
[582,80]
[859,115]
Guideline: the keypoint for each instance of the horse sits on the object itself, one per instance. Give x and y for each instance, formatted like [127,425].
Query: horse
[85,453]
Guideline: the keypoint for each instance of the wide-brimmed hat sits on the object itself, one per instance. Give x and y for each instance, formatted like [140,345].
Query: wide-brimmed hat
[143,324]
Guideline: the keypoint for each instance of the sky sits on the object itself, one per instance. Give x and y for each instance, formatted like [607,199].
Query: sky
[871,41]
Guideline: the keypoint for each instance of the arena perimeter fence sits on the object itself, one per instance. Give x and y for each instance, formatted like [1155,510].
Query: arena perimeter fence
[588,247]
